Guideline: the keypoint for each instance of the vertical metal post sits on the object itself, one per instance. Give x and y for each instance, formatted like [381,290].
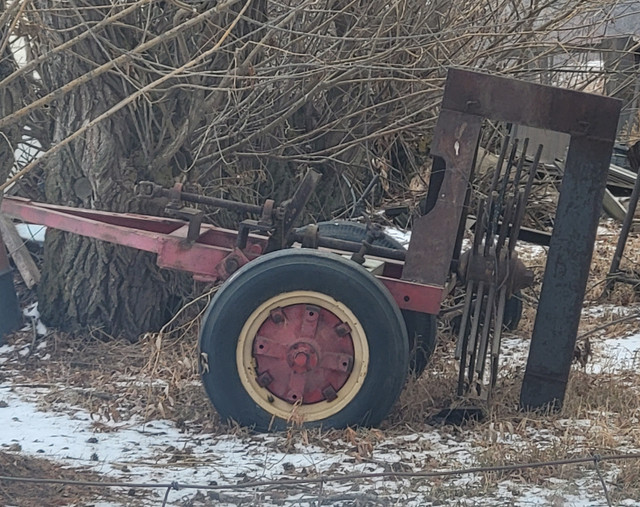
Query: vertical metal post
[565,279]
[10,316]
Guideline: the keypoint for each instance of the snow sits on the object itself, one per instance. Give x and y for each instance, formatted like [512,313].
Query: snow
[136,451]
[31,232]
[141,452]
[616,354]
[402,237]
[34,316]
[158,451]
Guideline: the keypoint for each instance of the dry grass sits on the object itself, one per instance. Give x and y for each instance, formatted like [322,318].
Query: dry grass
[158,377]
[53,495]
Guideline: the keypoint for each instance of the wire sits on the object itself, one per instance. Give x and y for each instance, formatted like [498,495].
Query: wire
[596,460]
[335,478]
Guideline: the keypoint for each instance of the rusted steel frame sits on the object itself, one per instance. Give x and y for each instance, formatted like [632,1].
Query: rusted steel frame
[567,269]
[433,236]
[591,120]
[167,238]
[414,296]
[90,223]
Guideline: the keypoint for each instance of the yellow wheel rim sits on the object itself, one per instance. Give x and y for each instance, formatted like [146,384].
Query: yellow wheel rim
[251,378]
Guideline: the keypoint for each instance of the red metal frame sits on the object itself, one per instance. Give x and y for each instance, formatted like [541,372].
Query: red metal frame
[207,258]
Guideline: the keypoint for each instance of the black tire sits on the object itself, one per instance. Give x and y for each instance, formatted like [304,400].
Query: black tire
[285,272]
[422,328]
[354,231]
[512,311]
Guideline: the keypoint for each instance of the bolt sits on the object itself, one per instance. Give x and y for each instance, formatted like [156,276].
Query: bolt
[300,359]
[231,265]
[313,311]
[329,393]
[264,379]
[342,329]
[276,315]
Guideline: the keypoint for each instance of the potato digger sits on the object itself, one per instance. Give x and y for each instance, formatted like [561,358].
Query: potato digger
[321,324]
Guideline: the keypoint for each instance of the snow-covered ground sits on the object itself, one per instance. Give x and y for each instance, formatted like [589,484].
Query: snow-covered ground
[158,451]
[36,424]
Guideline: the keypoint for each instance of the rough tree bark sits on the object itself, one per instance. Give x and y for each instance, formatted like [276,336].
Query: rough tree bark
[88,283]
[10,99]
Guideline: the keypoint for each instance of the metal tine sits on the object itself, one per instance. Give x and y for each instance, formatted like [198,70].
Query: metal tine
[490,302]
[501,157]
[463,338]
[521,206]
[532,172]
[492,191]
[507,173]
[523,198]
[523,155]
[506,223]
[505,209]
[497,338]
[486,327]
[497,203]
[489,232]
[491,298]
[472,346]
[461,345]
[464,346]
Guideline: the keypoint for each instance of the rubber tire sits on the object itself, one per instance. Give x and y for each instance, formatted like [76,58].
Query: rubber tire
[301,269]
[354,231]
[512,311]
[422,328]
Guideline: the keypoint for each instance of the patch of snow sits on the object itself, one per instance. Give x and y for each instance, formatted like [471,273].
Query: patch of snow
[402,237]
[31,232]
[32,312]
[616,354]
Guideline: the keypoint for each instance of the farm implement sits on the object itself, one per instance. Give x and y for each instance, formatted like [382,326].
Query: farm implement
[321,324]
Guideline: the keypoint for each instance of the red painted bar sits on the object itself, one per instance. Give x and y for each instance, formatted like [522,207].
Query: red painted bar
[167,238]
[414,296]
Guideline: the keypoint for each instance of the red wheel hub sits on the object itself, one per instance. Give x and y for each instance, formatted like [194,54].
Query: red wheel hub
[303,353]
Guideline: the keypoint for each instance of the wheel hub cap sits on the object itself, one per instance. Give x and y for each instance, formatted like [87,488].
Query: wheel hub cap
[303,354]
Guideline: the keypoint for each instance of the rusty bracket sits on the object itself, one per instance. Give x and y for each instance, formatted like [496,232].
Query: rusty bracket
[231,263]
[291,210]
[193,215]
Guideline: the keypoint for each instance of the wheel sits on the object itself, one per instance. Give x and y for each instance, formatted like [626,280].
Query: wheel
[303,336]
[354,231]
[422,328]
[512,312]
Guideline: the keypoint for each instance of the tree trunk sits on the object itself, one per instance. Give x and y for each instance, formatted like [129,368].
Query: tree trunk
[10,98]
[115,290]
[88,283]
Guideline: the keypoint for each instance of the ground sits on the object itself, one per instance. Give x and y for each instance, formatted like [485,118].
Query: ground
[89,410]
